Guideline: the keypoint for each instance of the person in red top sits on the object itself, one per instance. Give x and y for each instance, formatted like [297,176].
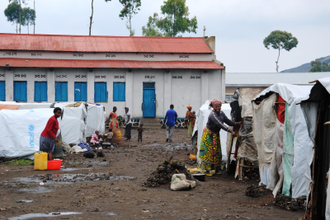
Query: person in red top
[48,136]
[113,119]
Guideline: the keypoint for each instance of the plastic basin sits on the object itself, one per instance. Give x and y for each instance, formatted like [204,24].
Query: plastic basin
[54,164]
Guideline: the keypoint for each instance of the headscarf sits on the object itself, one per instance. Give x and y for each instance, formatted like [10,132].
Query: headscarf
[215,102]
[189,107]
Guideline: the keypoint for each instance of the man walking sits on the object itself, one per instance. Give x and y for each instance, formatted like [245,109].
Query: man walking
[170,119]
[127,124]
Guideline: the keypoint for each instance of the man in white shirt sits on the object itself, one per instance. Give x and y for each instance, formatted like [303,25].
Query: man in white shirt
[127,124]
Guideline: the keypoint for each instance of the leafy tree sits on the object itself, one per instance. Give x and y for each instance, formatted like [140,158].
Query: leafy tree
[151,28]
[131,7]
[18,15]
[280,40]
[29,16]
[12,13]
[318,67]
[175,21]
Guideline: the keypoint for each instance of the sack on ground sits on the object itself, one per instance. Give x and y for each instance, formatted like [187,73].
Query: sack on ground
[180,182]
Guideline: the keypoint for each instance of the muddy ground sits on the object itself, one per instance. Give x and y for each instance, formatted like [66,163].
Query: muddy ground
[112,187]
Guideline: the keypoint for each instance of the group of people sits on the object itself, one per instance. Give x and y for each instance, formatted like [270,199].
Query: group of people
[115,121]
[210,147]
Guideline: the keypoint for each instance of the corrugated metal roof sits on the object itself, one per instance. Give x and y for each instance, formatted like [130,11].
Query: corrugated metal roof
[108,44]
[115,64]
[267,79]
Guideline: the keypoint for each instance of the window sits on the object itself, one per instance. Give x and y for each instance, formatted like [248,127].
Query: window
[80,91]
[61,91]
[100,92]
[2,91]
[40,91]
[119,92]
[20,91]
[228,98]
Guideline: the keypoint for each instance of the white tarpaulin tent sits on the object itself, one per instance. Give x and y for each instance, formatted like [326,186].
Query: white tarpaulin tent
[94,120]
[72,125]
[20,131]
[18,141]
[202,116]
[268,137]
[317,115]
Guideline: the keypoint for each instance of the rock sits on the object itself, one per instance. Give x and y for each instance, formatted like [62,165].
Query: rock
[89,155]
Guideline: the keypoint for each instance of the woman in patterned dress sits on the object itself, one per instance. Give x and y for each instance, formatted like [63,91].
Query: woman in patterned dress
[210,147]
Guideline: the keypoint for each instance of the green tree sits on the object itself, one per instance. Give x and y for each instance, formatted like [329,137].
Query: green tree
[29,16]
[280,40]
[12,13]
[176,20]
[151,28]
[318,67]
[131,7]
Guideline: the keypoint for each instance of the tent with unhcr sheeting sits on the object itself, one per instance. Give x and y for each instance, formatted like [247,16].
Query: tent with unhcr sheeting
[316,109]
[21,129]
[202,116]
[281,135]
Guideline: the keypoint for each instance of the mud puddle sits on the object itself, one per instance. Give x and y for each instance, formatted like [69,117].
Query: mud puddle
[94,163]
[25,201]
[43,215]
[47,179]
[39,189]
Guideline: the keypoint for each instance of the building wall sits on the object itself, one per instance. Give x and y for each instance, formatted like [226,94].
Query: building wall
[178,87]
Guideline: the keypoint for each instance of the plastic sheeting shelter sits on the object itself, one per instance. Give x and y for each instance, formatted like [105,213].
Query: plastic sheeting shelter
[20,131]
[317,114]
[202,116]
[281,161]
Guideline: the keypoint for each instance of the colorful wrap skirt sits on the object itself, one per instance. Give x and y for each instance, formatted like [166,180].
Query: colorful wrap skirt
[47,144]
[210,151]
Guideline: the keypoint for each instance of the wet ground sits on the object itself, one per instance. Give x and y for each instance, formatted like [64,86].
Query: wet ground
[112,187]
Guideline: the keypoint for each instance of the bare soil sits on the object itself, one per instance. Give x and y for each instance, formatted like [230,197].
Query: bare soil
[112,187]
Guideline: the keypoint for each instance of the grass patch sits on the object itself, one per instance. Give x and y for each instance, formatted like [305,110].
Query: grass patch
[22,162]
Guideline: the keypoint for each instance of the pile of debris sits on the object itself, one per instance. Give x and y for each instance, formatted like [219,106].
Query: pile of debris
[163,174]
[256,191]
[286,202]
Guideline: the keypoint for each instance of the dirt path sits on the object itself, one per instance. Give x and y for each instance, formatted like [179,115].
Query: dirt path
[120,193]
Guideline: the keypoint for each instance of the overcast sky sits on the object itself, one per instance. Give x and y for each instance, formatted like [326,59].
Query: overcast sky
[239,26]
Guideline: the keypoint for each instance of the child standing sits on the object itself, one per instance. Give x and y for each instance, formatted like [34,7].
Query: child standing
[140,130]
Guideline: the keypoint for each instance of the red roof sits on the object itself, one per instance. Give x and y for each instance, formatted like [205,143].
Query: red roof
[115,44]
[119,64]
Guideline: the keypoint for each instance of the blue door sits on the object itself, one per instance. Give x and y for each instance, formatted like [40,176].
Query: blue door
[100,92]
[2,91]
[149,100]
[80,91]
[40,91]
[20,91]
[61,91]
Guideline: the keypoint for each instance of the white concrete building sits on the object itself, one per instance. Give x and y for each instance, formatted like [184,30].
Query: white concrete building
[147,74]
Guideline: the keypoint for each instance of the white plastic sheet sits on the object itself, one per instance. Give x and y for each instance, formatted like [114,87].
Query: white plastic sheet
[95,120]
[202,116]
[72,124]
[303,146]
[20,131]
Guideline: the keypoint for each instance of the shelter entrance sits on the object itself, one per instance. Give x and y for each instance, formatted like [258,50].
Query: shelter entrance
[149,100]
